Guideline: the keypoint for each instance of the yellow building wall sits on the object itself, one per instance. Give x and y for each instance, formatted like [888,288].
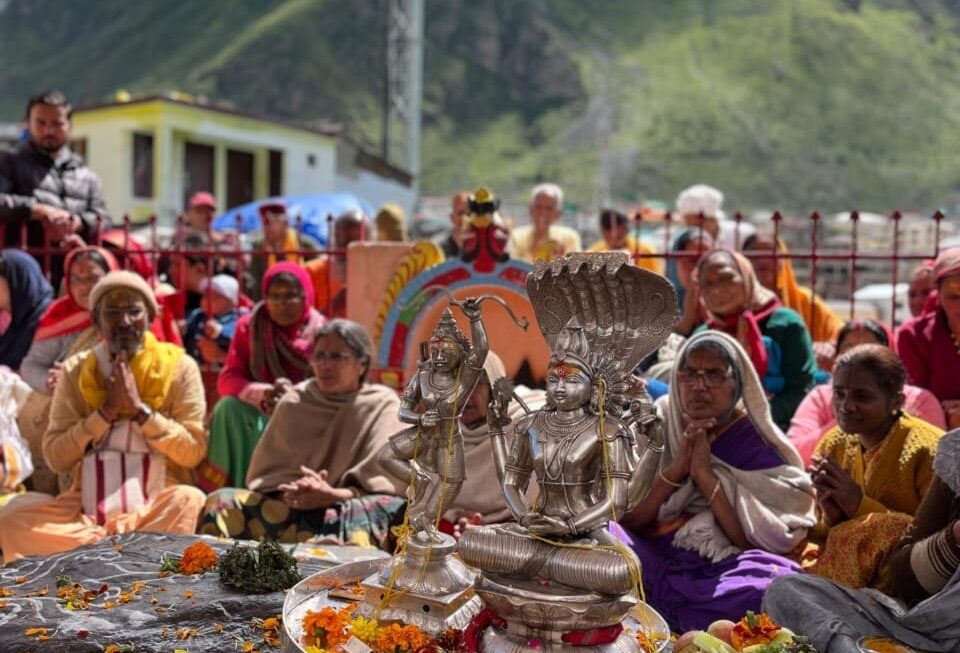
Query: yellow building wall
[109,134]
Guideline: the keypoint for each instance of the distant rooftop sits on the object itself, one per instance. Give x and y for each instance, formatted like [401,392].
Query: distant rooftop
[361,157]
[325,128]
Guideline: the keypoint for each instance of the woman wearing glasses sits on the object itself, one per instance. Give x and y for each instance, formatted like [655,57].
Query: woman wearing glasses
[775,337]
[731,498]
[270,352]
[315,471]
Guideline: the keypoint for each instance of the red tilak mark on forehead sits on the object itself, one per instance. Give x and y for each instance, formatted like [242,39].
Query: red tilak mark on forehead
[563,370]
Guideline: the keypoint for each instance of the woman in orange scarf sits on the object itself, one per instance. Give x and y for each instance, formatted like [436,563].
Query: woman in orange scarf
[65,329]
[822,323]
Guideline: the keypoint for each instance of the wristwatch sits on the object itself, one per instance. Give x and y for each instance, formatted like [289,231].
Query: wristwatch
[143,414]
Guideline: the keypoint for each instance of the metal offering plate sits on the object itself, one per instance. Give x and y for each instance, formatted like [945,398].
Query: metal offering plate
[325,588]
[314,593]
[883,644]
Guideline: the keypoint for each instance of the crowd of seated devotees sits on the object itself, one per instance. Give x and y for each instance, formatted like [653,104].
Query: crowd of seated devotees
[125,443]
[768,482]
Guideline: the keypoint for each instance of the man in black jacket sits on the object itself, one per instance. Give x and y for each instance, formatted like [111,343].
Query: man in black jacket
[47,187]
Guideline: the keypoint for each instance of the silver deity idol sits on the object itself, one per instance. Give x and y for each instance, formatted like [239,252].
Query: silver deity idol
[594,448]
[431,451]
[425,583]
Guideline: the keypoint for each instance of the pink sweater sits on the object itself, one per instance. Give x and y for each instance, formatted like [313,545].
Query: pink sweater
[814,416]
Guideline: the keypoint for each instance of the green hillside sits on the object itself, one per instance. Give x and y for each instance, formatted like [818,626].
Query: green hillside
[798,104]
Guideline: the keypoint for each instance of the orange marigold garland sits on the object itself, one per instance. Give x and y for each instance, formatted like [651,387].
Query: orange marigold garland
[198,558]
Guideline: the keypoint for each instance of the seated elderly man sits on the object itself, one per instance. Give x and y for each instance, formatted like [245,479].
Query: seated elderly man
[127,420]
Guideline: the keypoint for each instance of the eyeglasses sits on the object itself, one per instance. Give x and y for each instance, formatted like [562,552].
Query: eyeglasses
[285,299]
[711,378]
[335,357]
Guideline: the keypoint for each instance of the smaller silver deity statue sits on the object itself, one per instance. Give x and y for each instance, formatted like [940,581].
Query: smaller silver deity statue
[431,451]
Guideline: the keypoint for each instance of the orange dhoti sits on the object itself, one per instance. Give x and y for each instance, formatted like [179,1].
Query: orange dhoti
[32,526]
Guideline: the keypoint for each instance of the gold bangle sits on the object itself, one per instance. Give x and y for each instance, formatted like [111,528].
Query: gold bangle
[666,480]
[713,495]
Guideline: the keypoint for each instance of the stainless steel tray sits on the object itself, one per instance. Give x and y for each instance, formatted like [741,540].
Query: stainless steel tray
[313,593]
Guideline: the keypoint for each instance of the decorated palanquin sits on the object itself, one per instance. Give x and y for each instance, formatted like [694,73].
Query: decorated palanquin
[395,290]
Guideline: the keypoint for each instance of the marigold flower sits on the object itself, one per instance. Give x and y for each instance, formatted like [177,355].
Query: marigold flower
[327,628]
[401,639]
[197,558]
[366,630]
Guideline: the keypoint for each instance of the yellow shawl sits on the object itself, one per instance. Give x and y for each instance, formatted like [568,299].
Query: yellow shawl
[153,369]
[823,323]
[895,474]
[291,245]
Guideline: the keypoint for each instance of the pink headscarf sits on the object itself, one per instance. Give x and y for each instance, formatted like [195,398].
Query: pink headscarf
[277,351]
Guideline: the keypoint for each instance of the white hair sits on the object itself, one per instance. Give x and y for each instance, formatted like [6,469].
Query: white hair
[550,190]
[701,199]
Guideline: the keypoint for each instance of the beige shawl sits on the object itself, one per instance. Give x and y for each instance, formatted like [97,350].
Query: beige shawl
[775,506]
[339,434]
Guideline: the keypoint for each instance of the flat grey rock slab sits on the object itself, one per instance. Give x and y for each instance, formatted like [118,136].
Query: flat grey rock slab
[210,616]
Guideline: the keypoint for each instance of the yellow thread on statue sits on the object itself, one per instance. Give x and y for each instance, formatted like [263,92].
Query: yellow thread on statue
[635,572]
[401,549]
[402,533]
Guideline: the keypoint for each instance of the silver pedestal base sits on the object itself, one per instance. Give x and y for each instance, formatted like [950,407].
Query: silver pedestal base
[538,614]
[546,611]
[431,588]
[497,640]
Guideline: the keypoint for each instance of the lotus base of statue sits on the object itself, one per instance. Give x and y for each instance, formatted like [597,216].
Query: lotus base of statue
[428,587]
[539,609]
[538,617]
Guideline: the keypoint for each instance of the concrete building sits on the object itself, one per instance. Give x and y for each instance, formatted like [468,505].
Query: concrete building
[152,153]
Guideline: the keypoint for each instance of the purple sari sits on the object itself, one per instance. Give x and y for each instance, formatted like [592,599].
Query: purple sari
[691,591]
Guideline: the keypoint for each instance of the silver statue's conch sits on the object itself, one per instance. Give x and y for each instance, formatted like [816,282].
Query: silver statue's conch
[595,449]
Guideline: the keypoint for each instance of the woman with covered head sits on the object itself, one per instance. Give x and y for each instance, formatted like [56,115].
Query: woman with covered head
[870,471]
[127,420]
[921,611]
[777,274]
[815,415]
[681,271]
[774,337]
[24,298]
[928,344]
[315,470]
[731,498]
[65,329]
[269,353]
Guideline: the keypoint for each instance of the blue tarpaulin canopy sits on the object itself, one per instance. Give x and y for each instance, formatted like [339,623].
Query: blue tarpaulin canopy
[311,209]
